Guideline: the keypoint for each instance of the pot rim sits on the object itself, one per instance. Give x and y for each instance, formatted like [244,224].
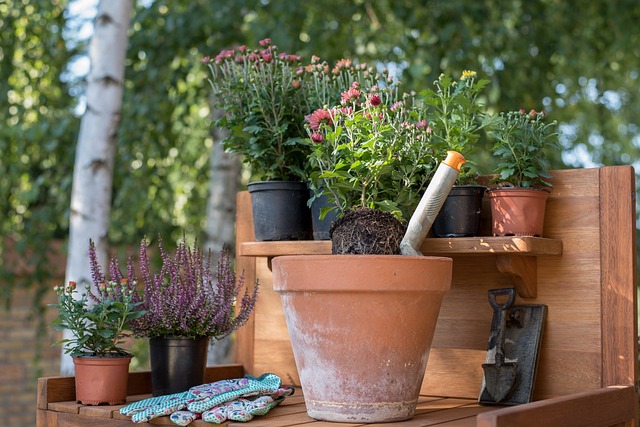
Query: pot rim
[361,273]
[548,190]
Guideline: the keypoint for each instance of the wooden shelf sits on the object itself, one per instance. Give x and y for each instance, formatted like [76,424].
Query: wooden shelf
[516,257]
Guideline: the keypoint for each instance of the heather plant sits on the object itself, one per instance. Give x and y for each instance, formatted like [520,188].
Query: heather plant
[372,151]
[522,141]
[266,94]
[188,298]
[99,321]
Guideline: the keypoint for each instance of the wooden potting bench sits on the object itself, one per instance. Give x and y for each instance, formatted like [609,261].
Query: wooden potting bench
[584,270]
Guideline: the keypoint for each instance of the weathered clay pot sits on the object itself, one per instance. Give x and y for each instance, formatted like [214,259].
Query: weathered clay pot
[518,211]
[361,328]
[101,380]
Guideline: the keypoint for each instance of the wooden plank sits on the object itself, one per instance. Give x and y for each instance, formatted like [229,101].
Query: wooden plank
[245,266]
[600,407]
[619,276]
[436,246]
[55,389]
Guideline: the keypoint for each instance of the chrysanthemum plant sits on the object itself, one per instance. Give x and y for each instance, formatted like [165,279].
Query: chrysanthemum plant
[99,321]
[187,297]
[522,140]
[266,94]
[456,117]
[372,151]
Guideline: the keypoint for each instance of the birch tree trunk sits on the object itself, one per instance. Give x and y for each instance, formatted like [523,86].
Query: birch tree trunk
[224,183]
[95,152]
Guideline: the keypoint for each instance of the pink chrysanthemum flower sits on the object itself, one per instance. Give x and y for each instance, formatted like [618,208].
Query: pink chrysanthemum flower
[317,137]
[352,94]
[318,117]
[265,42]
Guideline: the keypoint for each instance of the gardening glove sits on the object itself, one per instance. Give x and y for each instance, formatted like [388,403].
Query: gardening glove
[244,409]
[200,398]
[147,409]
[211,395]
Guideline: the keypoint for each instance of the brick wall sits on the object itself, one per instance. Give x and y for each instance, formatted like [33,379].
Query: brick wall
[18,374]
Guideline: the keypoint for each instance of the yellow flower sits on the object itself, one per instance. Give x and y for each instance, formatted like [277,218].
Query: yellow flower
[468,74]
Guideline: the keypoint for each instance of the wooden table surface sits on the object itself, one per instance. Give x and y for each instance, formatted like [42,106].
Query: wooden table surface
[431,411]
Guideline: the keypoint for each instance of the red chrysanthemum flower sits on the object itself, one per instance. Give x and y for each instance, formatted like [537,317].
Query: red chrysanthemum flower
[375,100]
[317,137]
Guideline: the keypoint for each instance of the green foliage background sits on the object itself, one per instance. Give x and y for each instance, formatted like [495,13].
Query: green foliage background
[579,61]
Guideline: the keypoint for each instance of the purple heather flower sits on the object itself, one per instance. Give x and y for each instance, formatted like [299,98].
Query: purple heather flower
[188,298]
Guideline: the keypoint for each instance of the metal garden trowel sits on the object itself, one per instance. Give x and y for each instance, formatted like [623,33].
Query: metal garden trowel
[512,354]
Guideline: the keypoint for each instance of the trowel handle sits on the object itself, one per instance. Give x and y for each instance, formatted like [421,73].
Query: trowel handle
[431,202]
[511,292]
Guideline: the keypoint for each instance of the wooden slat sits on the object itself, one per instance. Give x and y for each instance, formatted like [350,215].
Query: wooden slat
[245,266]
[619,276]
[63,389]
[601,407]
[431,246]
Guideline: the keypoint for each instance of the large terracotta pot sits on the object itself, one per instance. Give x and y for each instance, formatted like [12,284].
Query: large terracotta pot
[518,211]
[101,380]
[361,328]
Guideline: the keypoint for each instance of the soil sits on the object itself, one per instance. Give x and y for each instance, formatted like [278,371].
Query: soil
[367,231]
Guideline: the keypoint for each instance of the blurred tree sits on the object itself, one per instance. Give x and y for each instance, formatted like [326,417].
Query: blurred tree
[95,152]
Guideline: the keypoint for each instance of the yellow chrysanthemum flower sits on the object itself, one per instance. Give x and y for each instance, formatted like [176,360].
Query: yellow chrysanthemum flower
[468,74]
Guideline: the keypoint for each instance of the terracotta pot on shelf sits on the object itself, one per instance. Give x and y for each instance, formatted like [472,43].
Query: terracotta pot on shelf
[361,328]
[101,380]
[518,211]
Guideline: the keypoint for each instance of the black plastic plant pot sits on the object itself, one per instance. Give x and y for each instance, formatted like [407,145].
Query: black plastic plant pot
[177,363]
[280,210]
[321,227]
[461,213]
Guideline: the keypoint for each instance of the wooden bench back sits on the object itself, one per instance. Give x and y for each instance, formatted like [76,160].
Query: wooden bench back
[590,337]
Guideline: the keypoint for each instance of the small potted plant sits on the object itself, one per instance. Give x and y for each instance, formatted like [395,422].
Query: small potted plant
[522,140]
[456,117]
[187,303]
[265,95]
[99,322]
[372,157]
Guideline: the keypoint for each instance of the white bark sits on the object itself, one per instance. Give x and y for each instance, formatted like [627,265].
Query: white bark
[93,169]
[221,217]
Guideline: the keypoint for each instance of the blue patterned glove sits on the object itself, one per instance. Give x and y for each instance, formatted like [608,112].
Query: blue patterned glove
[214,394]
[147,409]
[244,409]
[200,398]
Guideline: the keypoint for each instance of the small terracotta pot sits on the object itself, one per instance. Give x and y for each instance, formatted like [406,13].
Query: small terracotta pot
[101,380]
[518,211]
[361,328]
